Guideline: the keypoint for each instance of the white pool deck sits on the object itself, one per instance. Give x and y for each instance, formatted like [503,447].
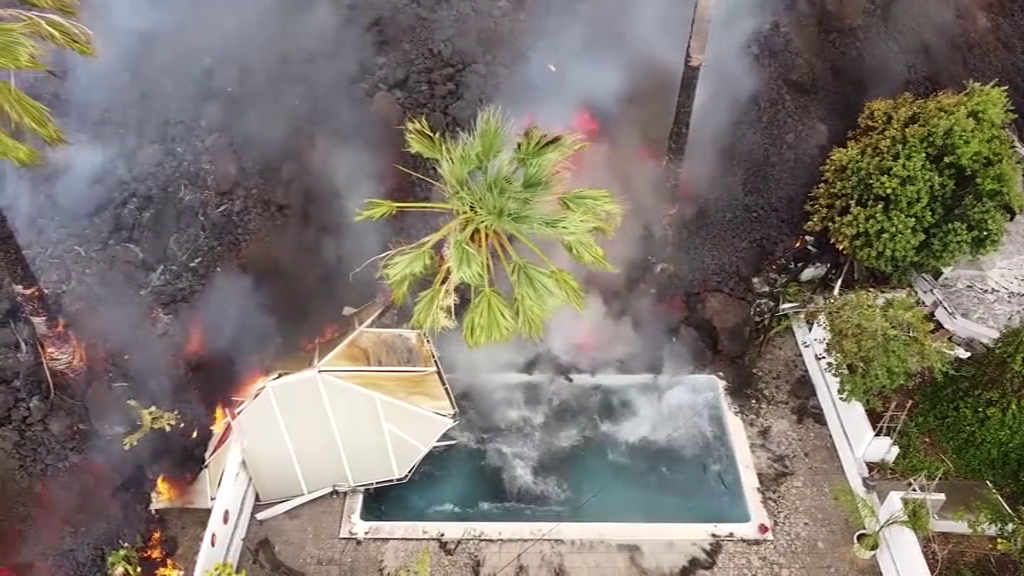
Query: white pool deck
[757,528]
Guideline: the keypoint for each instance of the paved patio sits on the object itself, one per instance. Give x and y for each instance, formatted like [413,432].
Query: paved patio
[796,463]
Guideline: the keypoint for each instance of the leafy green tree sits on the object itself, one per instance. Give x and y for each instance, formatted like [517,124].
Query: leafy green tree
[976,414]
[502,194]
[880,345]
[25,35]
[922,182]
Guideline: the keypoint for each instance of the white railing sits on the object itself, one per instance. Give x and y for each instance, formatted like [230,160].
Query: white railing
[230,515]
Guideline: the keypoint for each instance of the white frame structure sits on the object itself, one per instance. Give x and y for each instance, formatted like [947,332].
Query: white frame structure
[358,399]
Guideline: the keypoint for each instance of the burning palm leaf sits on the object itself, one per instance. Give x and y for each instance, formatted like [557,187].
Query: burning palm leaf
[151,418]
[501,195]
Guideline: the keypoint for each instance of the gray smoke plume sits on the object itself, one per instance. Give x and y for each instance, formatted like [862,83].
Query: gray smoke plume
[728,81]
[193,118]
[272,87]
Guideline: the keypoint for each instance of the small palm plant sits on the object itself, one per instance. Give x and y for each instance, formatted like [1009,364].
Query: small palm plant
[914,515]
[503,193]
[24,36]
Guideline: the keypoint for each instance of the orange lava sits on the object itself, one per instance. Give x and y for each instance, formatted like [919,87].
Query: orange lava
[195,343]
[586,124]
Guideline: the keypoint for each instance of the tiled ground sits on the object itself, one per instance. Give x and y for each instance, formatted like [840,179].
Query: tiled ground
[796,461]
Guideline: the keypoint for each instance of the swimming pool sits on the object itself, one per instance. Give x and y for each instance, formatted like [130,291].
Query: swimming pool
[637,456]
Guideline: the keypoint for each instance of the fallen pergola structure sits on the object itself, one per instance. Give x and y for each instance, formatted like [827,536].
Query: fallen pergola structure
[357,409]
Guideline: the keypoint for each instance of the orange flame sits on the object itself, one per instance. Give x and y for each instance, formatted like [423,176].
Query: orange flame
[250,384]
[166,489]
[155,551]
[329,332]
[170,568]
[220,419]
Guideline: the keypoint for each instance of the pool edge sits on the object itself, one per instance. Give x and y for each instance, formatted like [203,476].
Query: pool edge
[758,527]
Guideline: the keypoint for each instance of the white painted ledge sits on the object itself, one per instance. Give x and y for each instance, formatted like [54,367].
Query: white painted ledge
[900,551]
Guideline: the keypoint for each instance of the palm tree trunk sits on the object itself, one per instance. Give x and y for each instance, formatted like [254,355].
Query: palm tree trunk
[61,352]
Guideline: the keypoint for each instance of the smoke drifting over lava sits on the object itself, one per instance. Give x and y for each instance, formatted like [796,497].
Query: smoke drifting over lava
[728,81]
[191,114]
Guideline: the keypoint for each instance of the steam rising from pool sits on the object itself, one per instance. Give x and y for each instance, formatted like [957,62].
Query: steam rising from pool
[522,427]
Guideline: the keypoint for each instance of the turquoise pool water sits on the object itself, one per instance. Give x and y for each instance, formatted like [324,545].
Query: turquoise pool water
[678,466]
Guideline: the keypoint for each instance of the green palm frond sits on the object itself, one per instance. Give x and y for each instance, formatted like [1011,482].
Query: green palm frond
[24,112]
[55,29]
[915,514]
[24,37]
[422,141]
[504,195]
[15,151]
[65,7]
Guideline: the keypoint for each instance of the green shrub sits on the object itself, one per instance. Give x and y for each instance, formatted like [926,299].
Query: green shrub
[880,345]
[976,414]
[921,182]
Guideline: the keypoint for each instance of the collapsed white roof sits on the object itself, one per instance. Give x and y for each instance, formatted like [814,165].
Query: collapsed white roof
[365,408]
[313,430]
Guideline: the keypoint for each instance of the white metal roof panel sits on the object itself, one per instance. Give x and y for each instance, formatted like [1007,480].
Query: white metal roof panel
[312,430]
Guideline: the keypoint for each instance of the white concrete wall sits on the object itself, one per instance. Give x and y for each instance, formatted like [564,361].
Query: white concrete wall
[900,552]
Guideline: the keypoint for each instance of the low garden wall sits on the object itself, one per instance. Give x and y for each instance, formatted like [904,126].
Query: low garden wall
[900,551]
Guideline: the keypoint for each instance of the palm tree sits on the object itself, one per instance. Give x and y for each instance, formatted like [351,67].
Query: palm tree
[502,195]
[25,35]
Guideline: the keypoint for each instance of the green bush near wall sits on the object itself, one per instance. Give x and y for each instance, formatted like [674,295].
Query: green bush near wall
[881,345]
[976,415]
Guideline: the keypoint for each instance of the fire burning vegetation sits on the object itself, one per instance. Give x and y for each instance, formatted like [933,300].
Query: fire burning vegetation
[150,559]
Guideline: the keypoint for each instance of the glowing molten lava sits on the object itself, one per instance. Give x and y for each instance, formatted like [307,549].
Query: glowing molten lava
[166,489]
[586,124]
[155,553]
[195,342]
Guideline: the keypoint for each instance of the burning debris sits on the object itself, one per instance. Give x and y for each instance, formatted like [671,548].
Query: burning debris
[151,418]
[62,353]
[167,489]
[151,559]
[156,559]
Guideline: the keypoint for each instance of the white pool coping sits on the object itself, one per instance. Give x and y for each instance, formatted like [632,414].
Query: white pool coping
[759,527]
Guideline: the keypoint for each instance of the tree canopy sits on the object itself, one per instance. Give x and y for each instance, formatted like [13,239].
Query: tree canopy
[976,413]
[25,35]
[922,182]
[503,195]
[880,345]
